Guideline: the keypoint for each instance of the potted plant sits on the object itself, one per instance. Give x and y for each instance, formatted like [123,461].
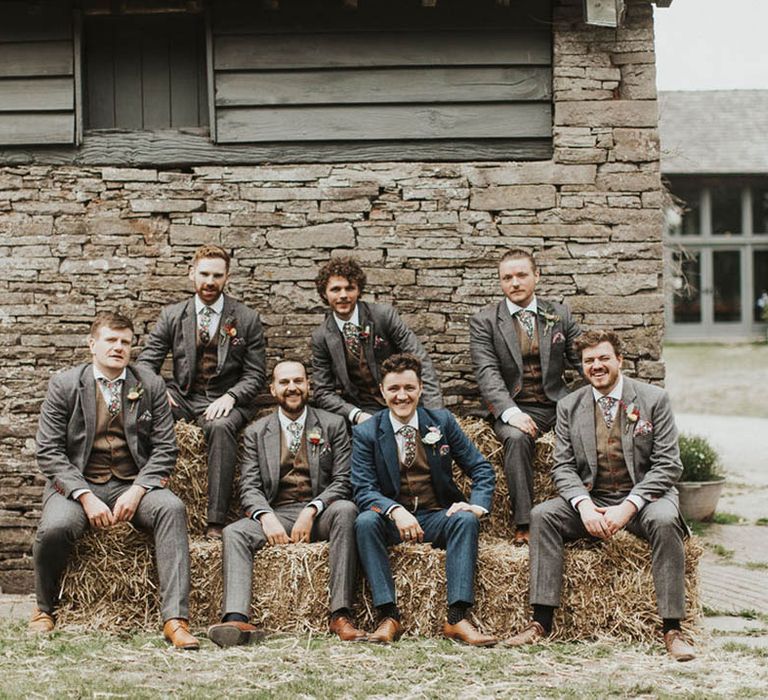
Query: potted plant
[702,480]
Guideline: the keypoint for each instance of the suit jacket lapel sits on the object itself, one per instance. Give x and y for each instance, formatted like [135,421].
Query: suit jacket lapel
[628,397]
[433,458]
[88,391]
[388,446]
[227,318]
[585,424]
[189,334]
[272,441]
[338,353]
[366,326]
[130,411]
[313,451]
[507,328]
[545,339]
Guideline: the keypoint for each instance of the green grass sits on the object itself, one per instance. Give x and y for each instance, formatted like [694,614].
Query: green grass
[89,665]
[727,519]
[720,550]
[761,521]
[756,565]
[699,527]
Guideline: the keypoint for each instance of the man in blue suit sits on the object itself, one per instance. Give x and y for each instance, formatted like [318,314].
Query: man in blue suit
[402,484]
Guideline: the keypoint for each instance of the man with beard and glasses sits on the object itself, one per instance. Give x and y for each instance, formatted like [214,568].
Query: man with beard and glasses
[219,367]
[294,486]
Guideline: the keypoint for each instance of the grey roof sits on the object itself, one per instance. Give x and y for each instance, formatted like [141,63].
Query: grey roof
[714,132]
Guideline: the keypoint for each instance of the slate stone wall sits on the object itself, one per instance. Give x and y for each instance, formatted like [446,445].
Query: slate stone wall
[78,240]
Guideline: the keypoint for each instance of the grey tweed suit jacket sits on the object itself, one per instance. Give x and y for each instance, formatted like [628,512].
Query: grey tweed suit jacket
[498,360]
[328,460]
[386,335]
[67,428]
[650,442]
[241,365]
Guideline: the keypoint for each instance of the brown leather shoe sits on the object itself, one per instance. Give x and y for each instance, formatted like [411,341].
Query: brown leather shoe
[213,532]
[677,647]
[176,631]
[464,631]
[532,634]
[234,633]
[347,632]
[521,536]
[41,622]
[388,631]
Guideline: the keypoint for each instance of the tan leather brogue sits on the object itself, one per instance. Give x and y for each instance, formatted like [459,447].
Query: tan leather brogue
[176,631]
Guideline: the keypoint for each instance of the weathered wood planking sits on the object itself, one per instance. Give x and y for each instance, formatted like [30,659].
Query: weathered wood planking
[37,128]
[36,58]
[357,122]
[28,21]
[179,149]
[382,85]
[36,94]
[342,50]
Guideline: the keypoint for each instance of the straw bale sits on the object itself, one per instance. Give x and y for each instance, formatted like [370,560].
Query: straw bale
[608,588]
[500,523]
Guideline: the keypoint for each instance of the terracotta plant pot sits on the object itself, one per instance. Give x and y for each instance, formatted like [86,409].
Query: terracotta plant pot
[698,499]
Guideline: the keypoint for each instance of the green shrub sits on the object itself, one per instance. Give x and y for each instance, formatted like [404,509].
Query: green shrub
[700,460]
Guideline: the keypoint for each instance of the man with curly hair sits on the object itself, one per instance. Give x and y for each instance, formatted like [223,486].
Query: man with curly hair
[350,345]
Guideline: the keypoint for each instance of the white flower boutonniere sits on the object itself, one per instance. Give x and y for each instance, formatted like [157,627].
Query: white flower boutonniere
[548,321]
[433,436]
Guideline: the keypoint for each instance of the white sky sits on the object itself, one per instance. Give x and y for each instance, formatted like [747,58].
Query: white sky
[712,45]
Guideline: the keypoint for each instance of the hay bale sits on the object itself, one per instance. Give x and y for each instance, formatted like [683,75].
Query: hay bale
[500,523]
[110,585]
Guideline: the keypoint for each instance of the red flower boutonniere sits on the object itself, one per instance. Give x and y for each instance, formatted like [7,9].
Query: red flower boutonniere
[134,394]
[228,329]
[364,333]
[632,413]
[378,342]
[315,438]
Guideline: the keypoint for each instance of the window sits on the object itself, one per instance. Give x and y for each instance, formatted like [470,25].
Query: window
[145,72]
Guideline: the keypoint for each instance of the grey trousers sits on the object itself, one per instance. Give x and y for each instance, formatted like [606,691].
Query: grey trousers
[245,537]
[519,450]
[659,522]
[160,511]
[221,436]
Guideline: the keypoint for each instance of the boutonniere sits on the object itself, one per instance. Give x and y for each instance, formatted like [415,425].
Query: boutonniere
[315,438]
[632,413]
[364,333]
[433,435]
[548,321]
[134,394]
[378,342]
[228,329]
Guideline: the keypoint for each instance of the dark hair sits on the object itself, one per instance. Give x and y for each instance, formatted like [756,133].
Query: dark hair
[210,251]
[285,361]
[110,319]
[516,254]
[589,339]
[343,266]
[400,363]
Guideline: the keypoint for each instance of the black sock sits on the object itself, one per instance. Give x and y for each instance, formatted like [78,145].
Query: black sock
[234,617]
[457,612]
[388,610]
[341,612]
[543,614]
[670,623]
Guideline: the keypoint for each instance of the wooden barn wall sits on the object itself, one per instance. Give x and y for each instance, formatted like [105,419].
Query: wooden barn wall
[37,73]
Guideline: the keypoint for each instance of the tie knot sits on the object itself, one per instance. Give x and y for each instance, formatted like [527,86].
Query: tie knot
[206,311]
[111,383]
[407,431]
[295,428]
[606,401]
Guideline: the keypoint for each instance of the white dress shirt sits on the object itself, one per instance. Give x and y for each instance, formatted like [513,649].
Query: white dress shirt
[217,307]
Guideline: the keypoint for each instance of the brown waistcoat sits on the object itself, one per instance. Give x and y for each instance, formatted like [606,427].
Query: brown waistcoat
[612,476]
[533,387]
[110,455]
[205,365]
[295,484]
[416,491]
[361,377]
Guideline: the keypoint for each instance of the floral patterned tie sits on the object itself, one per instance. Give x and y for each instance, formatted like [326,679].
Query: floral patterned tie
[409,445]
[204,324]
[606,406]
[295,429]
[352,338]
[527,320]
[112,391]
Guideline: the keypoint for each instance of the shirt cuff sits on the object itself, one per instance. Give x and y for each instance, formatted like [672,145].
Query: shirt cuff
[508,413]
[637,501]
[353,414]
[389,510]
[578,499]
[257,514]
[317,503]
[79,492]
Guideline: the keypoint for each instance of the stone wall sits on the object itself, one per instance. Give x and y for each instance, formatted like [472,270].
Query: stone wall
[78,240]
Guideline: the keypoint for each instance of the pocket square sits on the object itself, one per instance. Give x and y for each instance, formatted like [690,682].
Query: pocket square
[558,338]
[147,415]
[643,427]
[444,450]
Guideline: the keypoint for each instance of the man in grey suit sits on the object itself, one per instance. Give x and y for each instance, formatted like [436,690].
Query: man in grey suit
[106,445]
[355,338]
[219,367]
[294,477]
[519,347]
[616,465]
